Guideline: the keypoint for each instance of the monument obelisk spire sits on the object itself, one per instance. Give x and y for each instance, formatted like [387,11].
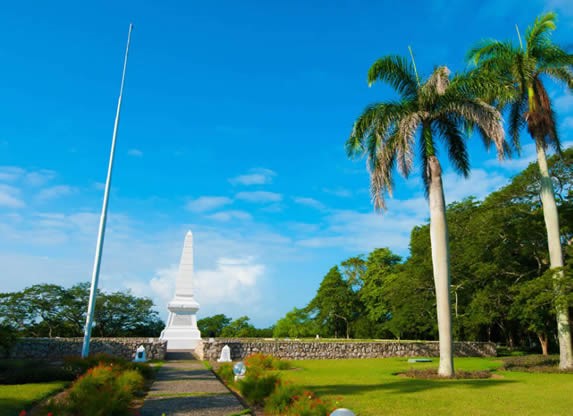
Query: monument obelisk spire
[181,331]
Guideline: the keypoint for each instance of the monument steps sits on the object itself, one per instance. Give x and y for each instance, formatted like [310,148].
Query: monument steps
[180,355]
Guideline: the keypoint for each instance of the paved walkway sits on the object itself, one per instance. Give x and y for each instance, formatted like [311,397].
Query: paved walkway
[187,388]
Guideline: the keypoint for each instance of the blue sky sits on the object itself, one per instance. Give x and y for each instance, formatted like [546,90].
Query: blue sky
[234,119]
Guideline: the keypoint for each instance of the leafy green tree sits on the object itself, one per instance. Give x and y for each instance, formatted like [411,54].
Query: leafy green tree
[296,324]
[239,328]
[46,310]
[335,304]
[353,269]
[525,68]
[386,132]
[212,326]
[121,314]
[381,265]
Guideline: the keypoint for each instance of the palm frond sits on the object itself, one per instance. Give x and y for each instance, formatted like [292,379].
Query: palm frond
[427,149]
[480,114]
[455,143]
[405,137]
[488,49]
[374,117]
[538,34]
[517,121]
[396,71]
[564,75]
[381,162]
[553,56]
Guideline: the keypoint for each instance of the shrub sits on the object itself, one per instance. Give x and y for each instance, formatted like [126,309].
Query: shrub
[260,360]
[78,366]
[266,362]
[225,372]
[256,388]
[103,391]
[282,398]
[308,404]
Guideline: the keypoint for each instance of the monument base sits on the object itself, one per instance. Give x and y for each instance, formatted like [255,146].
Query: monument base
[181,339]
[181,332]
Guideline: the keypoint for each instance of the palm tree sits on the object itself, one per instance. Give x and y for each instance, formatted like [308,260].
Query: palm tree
[386,132]
[524,70]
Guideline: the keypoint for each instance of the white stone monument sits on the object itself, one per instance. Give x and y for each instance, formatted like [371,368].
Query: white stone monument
[225,355]
[181,331]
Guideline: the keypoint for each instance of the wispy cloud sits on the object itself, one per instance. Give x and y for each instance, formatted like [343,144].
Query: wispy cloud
[479,184]
[225,216]
[32,178]
[10,173]
[10,197]
[135,152]
[309,202]
[340,192]
[258,176]
[207,203]
[259,197]
[54,192]
[40,177]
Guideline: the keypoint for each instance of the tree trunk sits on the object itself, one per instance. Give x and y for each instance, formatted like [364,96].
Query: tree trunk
[544,341]
[556,259]
[440,263]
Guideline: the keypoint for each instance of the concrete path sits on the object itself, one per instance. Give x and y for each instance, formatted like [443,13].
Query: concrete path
[187,388]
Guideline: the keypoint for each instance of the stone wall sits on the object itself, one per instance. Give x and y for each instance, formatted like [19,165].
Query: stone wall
[308,350]
[58,348]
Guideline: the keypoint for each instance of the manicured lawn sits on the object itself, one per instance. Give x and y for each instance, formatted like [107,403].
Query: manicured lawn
[17,397]
[368,387]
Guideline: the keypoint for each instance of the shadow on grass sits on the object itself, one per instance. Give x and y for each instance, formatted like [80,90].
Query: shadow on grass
[12,407]
[407,386]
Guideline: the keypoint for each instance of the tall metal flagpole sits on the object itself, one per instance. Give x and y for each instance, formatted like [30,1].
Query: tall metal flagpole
[103,218]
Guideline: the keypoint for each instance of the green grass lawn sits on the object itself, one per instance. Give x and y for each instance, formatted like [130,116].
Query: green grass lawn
[368,387]
[17,397]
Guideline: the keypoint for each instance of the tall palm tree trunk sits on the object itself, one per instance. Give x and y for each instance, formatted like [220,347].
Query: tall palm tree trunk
[555,258]
[441,265]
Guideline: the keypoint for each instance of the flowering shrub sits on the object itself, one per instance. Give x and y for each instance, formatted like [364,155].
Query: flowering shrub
[262,386]
[266,362]
[103,391]
[282,398]
[79,366]
[308,404]
[225,372]
[256,388]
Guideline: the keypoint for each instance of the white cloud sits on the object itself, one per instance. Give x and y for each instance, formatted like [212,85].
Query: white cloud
[135,152]
[259,197]
[341,192]
[309,202]
[54,192]
[225,216]
[10,173]
[10,197]
[233,280]
[32,178]
[259,176]
[517,163]
[207,203]
[479,184]
[40,177]
[364,231]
